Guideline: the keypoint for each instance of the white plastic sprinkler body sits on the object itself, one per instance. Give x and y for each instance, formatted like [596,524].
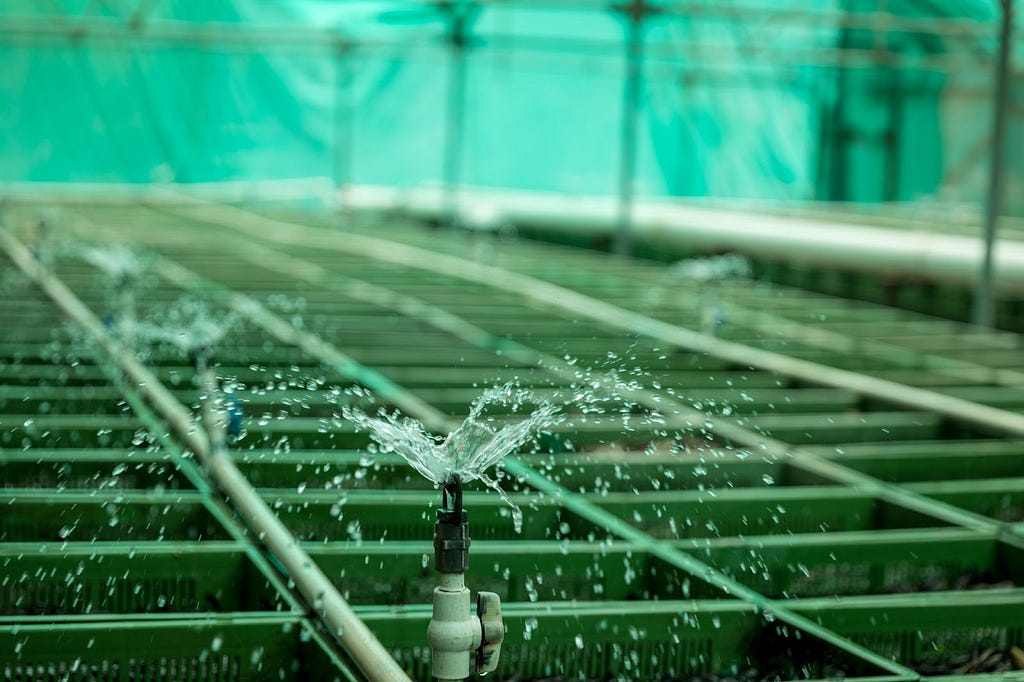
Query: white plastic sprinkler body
[462,641]
[712,315]
[126,309]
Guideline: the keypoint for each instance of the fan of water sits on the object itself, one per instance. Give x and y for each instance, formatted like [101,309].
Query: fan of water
[189,325]
[117,260]
[471,450]
[728,266]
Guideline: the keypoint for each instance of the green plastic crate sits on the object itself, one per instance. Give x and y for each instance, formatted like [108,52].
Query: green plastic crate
[68,469]
[225,648]
[765,511]
[44,518]
[362,516]
[871,562]
[146,577]
[403,573]
[924,630]
[634,641]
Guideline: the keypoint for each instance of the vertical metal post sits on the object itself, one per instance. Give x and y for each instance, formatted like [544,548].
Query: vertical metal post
[984,309]
[636,11]
[894,135]
[455,114]
[343,124]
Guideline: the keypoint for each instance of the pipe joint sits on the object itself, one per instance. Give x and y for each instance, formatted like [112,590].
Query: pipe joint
[464,642]
[454,634]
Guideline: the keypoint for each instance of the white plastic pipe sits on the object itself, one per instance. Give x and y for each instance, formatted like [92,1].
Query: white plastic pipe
[365,649]
[454,632]
[909,251]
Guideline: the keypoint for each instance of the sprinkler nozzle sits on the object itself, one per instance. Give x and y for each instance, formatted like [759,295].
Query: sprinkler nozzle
[461,642]
[451,532]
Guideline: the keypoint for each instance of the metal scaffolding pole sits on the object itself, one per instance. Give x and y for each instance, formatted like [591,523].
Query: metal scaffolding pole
[461,16]
[343,125]
[636,11]
[984,309]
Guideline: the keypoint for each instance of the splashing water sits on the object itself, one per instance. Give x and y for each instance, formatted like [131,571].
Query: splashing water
[470,450]
[728,266]
[117,260]
[706,273]
[189,325]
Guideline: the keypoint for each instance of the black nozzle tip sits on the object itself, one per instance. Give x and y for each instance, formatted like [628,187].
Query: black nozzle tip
[451,532]
[451,495]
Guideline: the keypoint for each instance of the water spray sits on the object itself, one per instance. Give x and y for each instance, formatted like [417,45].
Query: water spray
[462,642]
[708,273]
[122,267]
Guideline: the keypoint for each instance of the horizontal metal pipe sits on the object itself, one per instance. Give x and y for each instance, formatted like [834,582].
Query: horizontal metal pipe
[159,28]
[242,37]
[361,644]
[814,241]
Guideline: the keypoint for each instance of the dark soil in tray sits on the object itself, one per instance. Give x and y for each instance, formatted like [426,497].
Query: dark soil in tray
[991,660]
[970,580]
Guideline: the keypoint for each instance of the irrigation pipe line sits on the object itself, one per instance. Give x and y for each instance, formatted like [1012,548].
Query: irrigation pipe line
[355,637]
[582,306]
[848,242]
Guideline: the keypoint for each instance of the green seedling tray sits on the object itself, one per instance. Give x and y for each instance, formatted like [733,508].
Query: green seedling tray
[934,460]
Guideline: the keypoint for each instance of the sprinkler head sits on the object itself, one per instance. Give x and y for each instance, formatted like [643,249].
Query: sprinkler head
[451,532]
[235,415]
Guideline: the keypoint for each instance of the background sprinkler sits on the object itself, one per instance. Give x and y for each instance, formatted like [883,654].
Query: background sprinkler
[222,413]
[122,266]
[41,248]
[192,328]
[212,403]
[708,273]
[125,295]
[462,642]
